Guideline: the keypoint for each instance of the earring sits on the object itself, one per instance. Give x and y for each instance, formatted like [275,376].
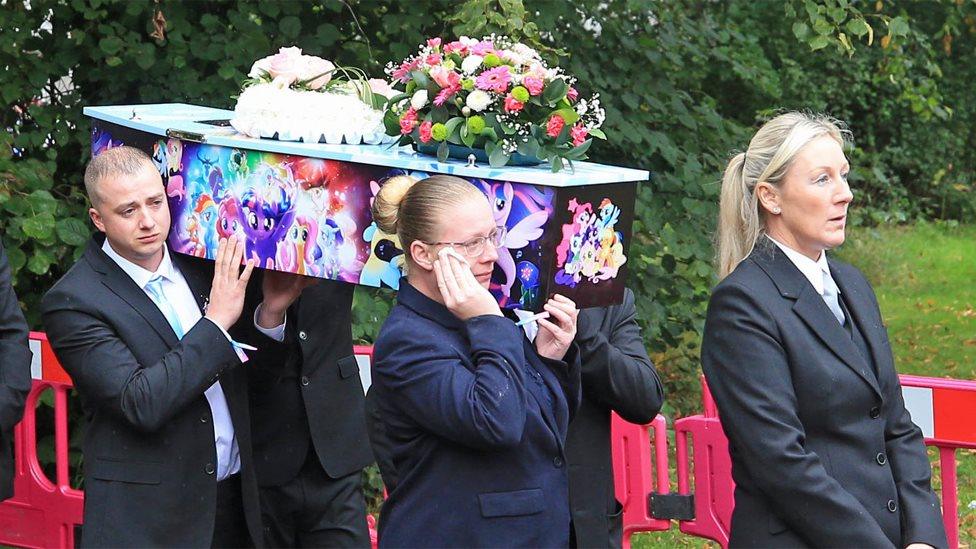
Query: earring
[776,211]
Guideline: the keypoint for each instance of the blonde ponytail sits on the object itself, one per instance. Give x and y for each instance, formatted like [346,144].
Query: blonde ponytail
[770,154]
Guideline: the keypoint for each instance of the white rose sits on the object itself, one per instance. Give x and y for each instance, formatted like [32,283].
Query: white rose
[418,100]
[478,100]
[471,63]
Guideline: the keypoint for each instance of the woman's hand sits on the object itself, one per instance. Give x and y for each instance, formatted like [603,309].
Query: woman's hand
[557,333]
[462,293]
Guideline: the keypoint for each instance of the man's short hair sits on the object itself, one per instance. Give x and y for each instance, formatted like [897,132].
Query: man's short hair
[122,160]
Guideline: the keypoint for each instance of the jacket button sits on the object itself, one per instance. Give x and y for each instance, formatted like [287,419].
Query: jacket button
[882,459]
[210,468]
[875,412]
[557,461]
[305,380]
[203,419]
[302,335]
[891,505]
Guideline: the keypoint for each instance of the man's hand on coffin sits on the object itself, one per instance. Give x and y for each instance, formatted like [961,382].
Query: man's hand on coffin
[229,283]
[556,333]
[463,295]
[280,290]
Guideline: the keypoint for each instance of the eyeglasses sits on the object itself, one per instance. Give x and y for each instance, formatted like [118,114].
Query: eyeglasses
[476,246]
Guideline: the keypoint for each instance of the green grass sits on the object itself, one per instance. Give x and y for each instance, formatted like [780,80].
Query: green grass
[925,279]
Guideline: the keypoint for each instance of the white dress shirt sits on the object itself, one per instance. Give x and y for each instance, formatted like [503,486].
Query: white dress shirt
[178,293]
[814,271]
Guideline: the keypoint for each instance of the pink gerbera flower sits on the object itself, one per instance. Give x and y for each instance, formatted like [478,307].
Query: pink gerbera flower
[403,72]
[496,79]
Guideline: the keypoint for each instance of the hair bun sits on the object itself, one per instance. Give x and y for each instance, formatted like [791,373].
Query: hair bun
[386,205]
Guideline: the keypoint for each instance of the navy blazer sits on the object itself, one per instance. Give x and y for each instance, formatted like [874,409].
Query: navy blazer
[823,451]
[477,422]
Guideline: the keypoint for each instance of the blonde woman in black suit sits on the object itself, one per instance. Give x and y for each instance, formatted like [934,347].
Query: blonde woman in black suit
[824,453]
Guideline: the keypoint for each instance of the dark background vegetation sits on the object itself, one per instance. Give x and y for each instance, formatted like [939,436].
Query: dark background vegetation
[684,84]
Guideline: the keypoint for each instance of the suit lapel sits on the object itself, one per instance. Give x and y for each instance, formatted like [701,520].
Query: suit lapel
[812,309]
[116,280]
[860,307]
[196,278]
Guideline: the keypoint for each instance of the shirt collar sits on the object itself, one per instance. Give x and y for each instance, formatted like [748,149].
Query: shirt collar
[812,270]
[138,274]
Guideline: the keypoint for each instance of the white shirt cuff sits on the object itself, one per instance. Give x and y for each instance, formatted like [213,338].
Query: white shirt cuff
[277,333]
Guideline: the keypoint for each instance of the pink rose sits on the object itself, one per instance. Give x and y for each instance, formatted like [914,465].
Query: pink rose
[496,79]
[381,87]
[513,105]
[408,121]
[534,85]
[555,125]
[572,94]
[260,67]
[536,70]
[286,65]
[578,134]
[433,59]
[425,131]
[434,42]
[317,69]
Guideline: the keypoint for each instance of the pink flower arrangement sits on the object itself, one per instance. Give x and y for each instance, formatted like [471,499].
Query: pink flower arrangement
[493,94]
[496,79]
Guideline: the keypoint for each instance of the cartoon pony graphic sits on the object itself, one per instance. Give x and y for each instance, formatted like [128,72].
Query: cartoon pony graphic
[298,249]
[267,208]
[526,230]
[385,259]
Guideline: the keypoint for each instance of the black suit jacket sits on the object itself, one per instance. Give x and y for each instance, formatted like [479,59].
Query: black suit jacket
[617,375]
[15,377]
[311,393]
[149,446]
[821,445]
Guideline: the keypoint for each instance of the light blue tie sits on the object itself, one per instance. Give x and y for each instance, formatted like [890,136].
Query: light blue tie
[155,289]
[830,293]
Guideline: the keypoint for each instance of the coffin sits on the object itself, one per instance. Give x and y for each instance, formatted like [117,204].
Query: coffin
[305,207]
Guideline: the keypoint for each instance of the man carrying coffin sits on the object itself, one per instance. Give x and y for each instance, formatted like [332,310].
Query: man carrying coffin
[143,335]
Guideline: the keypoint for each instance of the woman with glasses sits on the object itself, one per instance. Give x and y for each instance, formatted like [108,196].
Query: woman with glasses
[476,415]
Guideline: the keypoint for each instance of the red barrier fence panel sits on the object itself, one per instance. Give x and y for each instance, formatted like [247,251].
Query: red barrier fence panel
[42,513]
[942,408]
[634,476]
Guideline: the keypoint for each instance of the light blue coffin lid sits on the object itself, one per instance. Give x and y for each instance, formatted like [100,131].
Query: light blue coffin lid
[157,119]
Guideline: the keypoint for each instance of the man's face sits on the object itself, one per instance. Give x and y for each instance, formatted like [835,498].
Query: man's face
[133,213]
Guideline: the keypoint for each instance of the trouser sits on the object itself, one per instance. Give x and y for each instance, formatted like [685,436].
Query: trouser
[315,510]
[230,526]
